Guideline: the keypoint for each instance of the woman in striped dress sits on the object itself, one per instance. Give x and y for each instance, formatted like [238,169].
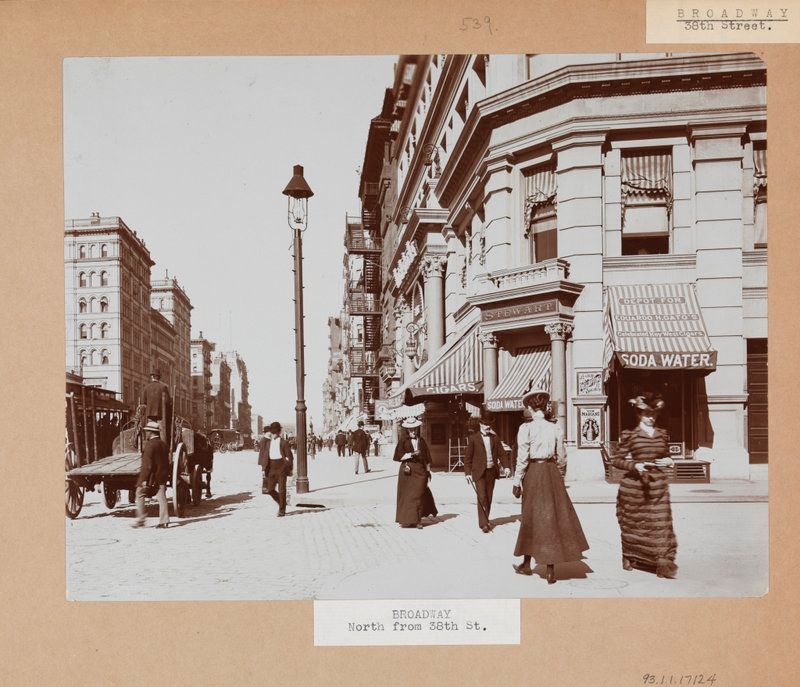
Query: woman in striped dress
[643,505]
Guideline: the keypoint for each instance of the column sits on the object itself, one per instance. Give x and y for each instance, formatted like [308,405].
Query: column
[432,268]
[579,177]
[719,233]
[498,211]
[402,320]
[490,342]
[454,296]
[558,332]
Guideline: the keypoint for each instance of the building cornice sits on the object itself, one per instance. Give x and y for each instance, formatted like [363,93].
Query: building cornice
[756,258]
[575,82]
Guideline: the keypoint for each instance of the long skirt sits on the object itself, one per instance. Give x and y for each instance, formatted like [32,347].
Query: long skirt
[414,498]
[644,514]
[550,531]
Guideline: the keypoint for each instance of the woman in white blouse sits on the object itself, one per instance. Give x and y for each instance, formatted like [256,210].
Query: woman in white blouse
[550,532]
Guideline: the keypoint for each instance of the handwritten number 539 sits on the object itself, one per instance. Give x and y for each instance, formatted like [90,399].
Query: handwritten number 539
[476,23]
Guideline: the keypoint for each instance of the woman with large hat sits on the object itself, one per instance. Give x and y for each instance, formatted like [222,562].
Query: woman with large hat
[644,512]
[550,532]
[414,498]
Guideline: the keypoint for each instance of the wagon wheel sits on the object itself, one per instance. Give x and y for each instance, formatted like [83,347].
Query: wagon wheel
[197,484]
[73,494]
[180,481]
[110,496]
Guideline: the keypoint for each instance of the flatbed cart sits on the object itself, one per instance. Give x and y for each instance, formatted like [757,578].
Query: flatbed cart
[191,461]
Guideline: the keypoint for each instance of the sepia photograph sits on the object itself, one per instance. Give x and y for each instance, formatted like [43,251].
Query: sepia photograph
[417,326]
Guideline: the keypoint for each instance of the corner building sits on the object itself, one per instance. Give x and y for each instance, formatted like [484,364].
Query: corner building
[595,224]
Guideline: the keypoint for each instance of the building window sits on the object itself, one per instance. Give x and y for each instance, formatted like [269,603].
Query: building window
[646,202]
[104,279]
[760,194]
[104,330]
[82,279]
[92,305]
[81,251]
[94,358]
[104,304]
[82,305]
[83,332]
[92,332]
[83,359]
[93,279]
[540,213]
[104,250]
[104,359]
[93,250]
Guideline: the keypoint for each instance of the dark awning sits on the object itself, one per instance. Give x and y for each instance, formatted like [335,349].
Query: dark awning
[657,327]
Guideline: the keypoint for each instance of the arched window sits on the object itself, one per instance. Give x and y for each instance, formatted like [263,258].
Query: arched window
[83,358]
[104,359]
[104,304]
[93,250]
[92,332]
[95,360]
[82,305]
[104,278]
[104,250]
[92,305]
[81,251]
[160,303]
[104,330]
[82,279]
[93,279]
[82,332]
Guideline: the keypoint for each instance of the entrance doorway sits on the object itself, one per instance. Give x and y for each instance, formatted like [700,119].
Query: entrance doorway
[757,441]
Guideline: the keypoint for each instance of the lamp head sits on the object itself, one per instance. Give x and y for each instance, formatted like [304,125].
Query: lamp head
[298,192]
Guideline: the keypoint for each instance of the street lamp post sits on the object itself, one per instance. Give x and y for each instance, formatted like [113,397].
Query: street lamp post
[298,192]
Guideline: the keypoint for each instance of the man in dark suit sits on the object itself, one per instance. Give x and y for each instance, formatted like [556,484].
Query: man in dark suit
[276,460]
[483,460]
[154,470]
[341,442]
[361,445]
[157,402]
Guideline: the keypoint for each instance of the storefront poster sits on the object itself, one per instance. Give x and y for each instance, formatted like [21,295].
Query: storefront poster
[590,427]
[590,383]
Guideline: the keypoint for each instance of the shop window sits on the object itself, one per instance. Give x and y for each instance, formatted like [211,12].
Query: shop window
[540,213]
[760,194]
[646,202]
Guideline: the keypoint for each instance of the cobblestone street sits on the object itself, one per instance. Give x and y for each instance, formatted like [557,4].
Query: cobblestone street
[233,546]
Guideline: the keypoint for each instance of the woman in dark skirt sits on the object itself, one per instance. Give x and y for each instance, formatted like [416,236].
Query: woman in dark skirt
[550,532]
[414,498]
[644,512]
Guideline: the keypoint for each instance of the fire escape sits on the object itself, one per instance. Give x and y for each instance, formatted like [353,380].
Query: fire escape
[363,301]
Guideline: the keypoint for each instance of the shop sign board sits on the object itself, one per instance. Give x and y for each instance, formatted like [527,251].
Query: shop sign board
[502,313]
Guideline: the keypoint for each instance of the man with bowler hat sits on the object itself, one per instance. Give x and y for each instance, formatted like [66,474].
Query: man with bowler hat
[276,459]
[483,459]
[154,470]
[361,446]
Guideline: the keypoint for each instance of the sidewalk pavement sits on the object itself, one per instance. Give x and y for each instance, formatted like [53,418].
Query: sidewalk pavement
[333,482]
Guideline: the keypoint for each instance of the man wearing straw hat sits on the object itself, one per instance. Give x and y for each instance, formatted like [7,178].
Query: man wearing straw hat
[154,470]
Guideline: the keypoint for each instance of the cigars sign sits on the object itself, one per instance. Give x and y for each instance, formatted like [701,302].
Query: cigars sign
[503,313]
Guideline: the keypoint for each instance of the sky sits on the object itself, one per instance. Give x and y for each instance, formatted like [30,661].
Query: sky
[193,153]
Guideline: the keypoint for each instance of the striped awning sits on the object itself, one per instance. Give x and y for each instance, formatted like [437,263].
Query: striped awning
[458,369]
[658,327]
[531,368]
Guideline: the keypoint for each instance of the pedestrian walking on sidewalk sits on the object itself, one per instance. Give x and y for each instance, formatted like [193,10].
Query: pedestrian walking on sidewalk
[341,442]
[644,511]
[276,461]
[483,461]
[154,471]
[414,497]
[550,531]
[361,446]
